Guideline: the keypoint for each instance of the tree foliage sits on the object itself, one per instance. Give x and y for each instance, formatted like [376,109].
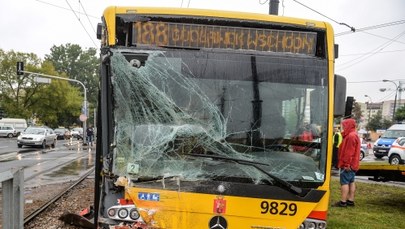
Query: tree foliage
[400,114]
[356,112]
[57,103]
[79,64]
[377,122]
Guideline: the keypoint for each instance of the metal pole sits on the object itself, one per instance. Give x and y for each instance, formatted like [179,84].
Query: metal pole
[395,105]
[273,7]
[395,100]
[84,102]
[399,94]
[369,107]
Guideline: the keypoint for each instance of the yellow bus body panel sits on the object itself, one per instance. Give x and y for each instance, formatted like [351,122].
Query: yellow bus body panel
[176,209]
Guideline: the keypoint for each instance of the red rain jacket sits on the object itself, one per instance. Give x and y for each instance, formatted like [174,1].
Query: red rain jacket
[349,150]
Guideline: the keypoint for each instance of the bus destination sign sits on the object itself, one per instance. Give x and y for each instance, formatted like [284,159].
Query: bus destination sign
[223,37]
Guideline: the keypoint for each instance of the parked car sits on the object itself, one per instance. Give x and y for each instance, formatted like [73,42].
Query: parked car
[37,136]
[62,133]
[7,131]
[77,133]
[396,155]
[363,150]
[18,124]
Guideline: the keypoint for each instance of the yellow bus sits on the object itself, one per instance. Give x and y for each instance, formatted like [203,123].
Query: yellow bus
[213,119]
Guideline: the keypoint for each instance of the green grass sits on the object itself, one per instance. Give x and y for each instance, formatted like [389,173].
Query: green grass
[377,206]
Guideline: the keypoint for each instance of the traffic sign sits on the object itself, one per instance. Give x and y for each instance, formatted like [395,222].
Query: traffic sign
[83,117]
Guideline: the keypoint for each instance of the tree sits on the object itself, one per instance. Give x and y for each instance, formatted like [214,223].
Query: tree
[400,114]
[16,92]
[77,64]
[356,112]
[53,104]
[377,122]
[58,103]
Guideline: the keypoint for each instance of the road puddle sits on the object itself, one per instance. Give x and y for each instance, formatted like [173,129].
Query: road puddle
[74,168]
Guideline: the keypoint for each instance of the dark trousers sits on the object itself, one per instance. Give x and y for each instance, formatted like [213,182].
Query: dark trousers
[335,157]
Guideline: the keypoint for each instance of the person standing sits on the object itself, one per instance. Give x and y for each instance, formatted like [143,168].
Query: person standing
[90,135]
[348,162]
[337,140]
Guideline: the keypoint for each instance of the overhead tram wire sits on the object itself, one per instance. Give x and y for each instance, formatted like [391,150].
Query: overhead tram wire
[74,12]
[382,37]
[382,52]
[372,27]
[372,53]
[88,19]
[64,8]
[375,81]
[340,23]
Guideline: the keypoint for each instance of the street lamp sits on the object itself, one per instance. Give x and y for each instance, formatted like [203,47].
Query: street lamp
[369,107]
[20,71]
[395,100]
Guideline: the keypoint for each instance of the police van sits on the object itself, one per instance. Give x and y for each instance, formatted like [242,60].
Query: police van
[383,144]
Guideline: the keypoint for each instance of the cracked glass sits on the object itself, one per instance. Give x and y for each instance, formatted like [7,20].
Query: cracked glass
[267,108]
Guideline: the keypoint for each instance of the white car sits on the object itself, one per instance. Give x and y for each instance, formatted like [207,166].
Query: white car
[37,136]
[77,133]
[396,155]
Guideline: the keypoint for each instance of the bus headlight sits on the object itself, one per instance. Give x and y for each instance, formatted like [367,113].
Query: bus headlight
[111,212]
[134,214]
[313,224]
[123,213]
[128,213]
[322,225]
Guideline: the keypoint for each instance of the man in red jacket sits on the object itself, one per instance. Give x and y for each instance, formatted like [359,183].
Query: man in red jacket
[348,163]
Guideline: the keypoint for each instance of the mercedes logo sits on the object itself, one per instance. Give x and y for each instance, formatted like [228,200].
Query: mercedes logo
[218,222]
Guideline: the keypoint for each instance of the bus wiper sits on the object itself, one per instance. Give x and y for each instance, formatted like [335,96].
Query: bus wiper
[286,185]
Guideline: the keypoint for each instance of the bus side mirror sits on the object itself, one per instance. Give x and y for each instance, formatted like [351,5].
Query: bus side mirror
[336,49]
[99,30]
[339,96]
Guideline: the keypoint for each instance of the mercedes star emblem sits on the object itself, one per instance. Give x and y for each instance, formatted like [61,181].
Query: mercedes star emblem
[218,222]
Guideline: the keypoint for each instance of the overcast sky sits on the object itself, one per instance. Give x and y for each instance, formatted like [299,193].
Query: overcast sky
[365,57]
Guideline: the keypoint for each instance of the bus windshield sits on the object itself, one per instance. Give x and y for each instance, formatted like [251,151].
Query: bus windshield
[265,107]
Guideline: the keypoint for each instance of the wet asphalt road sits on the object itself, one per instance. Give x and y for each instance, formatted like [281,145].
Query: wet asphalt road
[46,166]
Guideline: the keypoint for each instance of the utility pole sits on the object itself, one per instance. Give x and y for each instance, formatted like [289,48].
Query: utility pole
[273,7]
[395,99]
[399,94]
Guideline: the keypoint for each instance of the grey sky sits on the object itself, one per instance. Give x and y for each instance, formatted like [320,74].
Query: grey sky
[366,57]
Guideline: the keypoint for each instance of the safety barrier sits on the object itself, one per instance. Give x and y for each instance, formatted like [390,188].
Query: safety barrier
[12,182]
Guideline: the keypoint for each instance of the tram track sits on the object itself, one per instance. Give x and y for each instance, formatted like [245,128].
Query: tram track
[31,216]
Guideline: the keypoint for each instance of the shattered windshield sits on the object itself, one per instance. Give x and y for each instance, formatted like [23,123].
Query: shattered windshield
[262,108]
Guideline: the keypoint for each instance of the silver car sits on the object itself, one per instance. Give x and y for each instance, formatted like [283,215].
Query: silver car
[37,136]
[7,131]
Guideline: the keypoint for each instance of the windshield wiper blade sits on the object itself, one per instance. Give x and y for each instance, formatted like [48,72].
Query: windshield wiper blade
[285,184]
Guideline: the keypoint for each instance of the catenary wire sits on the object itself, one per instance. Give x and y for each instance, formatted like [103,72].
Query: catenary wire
[88,19]
[81,23]
[64,8]
[372,53]
[323,15]
[372,27]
